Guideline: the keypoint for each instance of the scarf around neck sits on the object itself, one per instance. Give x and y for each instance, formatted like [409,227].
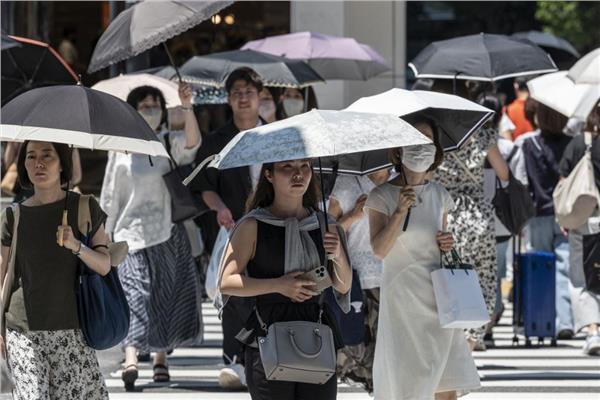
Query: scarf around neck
[301,252]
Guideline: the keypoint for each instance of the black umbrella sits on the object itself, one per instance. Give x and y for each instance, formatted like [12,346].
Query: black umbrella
[552,44]
[32,64]
[482,57]
[358,163]
[81,117]
[213,69]
[8,42]
[147,24]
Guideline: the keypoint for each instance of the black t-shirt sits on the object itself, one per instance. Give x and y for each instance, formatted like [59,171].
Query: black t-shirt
[45,274]
[232,185]
[575,151]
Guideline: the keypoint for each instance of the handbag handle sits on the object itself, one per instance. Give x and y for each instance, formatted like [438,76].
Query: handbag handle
[298,350]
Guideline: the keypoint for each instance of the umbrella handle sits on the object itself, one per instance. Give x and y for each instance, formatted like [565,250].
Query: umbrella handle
[65,222]
[196,170]
[172,61]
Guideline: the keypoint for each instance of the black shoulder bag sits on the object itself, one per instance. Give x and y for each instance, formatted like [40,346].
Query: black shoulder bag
[184,205]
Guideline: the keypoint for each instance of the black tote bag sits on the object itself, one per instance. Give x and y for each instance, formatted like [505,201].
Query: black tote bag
[184,205]
[513,204]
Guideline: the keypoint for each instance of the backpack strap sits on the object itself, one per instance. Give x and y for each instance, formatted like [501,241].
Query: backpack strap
[512,154]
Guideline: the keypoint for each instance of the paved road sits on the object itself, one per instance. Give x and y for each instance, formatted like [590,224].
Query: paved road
[507,372]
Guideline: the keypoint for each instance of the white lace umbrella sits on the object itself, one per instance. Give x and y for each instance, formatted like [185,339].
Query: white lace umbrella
[315,134]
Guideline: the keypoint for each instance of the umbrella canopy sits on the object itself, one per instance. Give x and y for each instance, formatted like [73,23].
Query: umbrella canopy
[482,57]
[32,64]
[123,84]
[548,42]
[456,117]
[148,24]
[213,69]
[357,163]
[560,93]
[314,134]
[81,117]
[587,70]
[8,42]
[332,57]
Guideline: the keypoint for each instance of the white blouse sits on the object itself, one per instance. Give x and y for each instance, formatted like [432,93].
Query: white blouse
[135,197]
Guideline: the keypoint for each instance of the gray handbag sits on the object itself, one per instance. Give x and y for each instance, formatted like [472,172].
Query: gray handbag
[297,351]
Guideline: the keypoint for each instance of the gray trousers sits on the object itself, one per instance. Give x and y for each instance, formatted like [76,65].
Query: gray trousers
[585,305]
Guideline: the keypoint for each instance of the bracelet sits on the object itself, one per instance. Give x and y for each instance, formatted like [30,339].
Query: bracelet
[190,108]
[81,247]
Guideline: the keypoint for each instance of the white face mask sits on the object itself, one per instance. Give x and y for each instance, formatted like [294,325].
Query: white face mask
[266,109]
[418,158]
[152,116]
[293,106]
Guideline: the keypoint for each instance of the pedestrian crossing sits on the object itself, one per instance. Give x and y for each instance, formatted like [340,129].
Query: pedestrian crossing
[507,372]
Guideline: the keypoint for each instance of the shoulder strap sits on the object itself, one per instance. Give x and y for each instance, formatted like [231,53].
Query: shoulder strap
[464,167]
[9,274]
[168,148]
[84,218]
[513,152]
[587,140]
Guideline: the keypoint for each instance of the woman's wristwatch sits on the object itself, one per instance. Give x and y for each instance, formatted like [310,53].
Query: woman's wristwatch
[81,247]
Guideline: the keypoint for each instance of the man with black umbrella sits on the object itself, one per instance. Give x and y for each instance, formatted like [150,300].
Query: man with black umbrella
[225,192]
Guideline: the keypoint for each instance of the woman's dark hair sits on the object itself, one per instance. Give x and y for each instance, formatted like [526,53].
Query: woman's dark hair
[264,194]
[312,102]
[245,74]
[66,164]
[549,120]
[493,103]
[140,93]
[531,107]
[395,155]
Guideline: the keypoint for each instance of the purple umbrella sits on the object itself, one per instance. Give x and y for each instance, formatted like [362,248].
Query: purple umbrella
[332,57]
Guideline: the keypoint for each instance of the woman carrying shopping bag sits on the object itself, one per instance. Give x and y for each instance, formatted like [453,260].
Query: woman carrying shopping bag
[46,350]
[159,275]
[415,358]
[271,247]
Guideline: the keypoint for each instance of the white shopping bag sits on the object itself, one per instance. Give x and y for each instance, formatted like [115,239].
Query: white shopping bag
[459,298]
[212,272]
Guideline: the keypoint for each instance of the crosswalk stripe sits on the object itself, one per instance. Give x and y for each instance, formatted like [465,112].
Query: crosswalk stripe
[507,372]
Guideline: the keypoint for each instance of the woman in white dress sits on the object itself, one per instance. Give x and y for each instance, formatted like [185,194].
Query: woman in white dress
[415,359]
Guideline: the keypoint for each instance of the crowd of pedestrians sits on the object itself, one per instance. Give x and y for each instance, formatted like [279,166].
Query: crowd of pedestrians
[388,229]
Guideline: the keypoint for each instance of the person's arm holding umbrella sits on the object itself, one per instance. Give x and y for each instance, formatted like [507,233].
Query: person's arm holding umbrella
[384,229]
[191,129]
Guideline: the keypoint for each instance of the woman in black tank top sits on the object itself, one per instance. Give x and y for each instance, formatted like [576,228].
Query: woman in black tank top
[254,266]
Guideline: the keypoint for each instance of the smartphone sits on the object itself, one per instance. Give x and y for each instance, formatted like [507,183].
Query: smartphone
[320,276]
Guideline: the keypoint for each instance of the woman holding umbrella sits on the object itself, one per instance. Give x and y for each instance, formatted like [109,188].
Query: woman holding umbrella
[282,219]
[159,275]
[47,353]
[414,357]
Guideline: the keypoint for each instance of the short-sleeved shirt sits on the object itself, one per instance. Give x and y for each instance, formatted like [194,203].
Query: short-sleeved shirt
[346,191]
[232,185]
[575,151]
[43,295]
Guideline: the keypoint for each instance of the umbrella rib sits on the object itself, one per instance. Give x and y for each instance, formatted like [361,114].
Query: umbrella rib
[12,59]
[37,67]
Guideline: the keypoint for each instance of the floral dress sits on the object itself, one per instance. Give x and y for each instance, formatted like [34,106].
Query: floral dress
[472,221]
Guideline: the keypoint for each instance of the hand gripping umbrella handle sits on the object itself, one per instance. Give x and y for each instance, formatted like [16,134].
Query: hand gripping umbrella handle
[65,222]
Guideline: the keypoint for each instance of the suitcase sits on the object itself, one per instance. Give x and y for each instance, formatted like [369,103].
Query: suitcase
[534,304]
